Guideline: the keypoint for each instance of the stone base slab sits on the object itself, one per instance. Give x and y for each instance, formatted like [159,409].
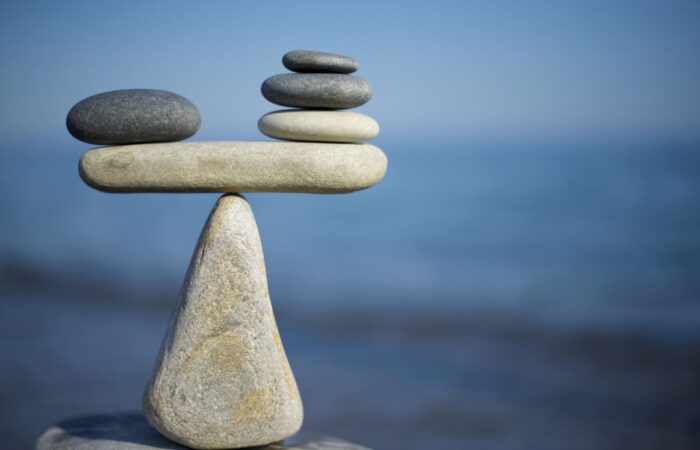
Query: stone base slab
[131,431]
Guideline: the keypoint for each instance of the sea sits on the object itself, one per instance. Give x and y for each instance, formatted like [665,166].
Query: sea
[489,293]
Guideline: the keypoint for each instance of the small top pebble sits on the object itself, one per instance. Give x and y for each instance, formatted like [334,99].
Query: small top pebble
[310,61]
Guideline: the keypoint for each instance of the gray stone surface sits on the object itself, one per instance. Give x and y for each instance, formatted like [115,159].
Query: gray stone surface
[317,90]
[105,432]
[318,125]
[234,167]
[311,61]
[222,379]
[133,116]
[130,431]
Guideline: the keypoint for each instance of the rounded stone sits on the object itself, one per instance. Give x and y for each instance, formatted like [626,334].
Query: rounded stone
[130,431]
[133,116]
[317,90]
[310,61]
[318,125]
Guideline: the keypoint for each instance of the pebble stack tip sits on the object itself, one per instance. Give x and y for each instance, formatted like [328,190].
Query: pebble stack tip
[319,88]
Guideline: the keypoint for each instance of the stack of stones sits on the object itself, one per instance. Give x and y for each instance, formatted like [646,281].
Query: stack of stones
[222,379]
[322,86]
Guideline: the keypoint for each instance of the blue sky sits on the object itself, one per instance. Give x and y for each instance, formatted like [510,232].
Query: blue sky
[459,68]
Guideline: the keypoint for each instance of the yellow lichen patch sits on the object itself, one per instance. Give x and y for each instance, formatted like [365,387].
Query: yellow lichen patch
[257,407]
[278,340]
[287,371]
[225,352]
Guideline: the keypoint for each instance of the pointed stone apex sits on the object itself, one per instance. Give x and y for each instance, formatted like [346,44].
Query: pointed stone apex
[222,379]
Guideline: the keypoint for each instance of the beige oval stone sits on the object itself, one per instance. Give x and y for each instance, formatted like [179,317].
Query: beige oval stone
[318,125]
[234,166]
[222,379]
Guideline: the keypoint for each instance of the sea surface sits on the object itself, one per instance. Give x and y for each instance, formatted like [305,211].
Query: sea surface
[488,294]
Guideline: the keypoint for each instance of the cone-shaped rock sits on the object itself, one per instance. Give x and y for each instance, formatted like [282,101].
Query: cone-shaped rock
[222,379]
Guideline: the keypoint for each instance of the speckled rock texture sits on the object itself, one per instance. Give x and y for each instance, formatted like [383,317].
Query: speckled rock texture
[318,125]
[123,431]
[317,90]
[133,116]
[130,431]
[222,379]
[310,61]
[234,167]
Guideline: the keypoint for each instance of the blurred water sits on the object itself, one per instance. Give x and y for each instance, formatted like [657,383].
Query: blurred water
[485,292]
[565,228]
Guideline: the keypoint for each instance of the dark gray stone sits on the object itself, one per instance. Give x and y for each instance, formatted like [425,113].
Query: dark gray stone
[133,116]
[130,431]
[310,61]
[317,90]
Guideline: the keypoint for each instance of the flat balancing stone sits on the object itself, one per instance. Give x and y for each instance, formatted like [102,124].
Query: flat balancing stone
[130,431]
[318,125]
[222,379]
[133,116]
[234,166]
[310,61]
[317,90]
